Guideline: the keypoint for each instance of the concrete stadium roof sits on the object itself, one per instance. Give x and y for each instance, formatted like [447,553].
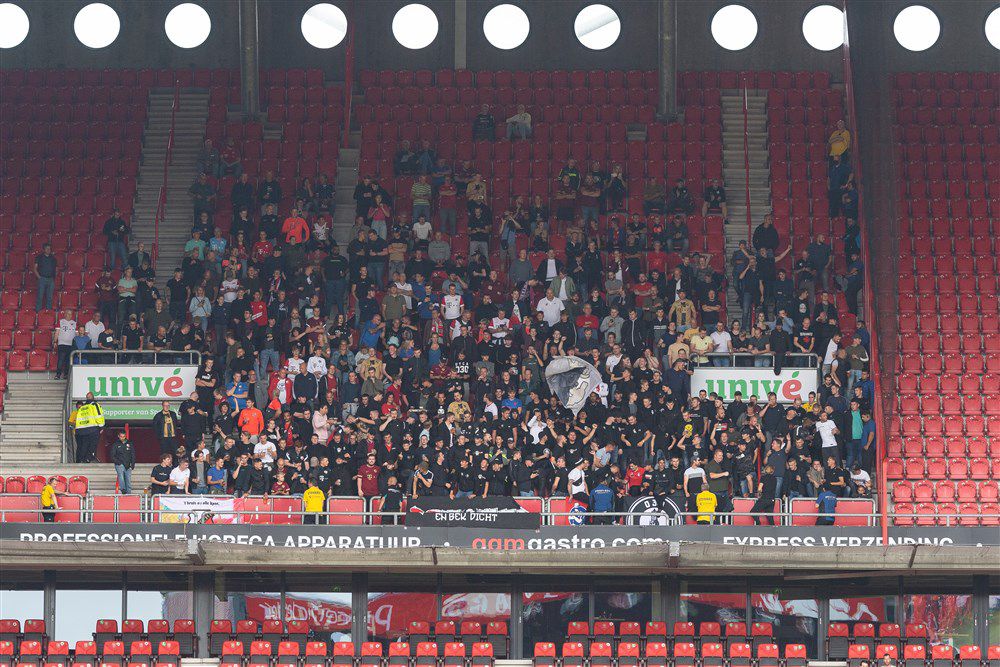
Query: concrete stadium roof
[675,558]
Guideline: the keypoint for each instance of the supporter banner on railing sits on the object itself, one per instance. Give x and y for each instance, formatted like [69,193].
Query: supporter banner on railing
[547,538]
[490,512]
[198,509]
[790,384]
[133,383]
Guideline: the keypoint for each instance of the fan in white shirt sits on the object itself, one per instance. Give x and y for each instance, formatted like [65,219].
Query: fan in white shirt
[723,341]
[452,306]
[500,326]
[550,306]
[316,363]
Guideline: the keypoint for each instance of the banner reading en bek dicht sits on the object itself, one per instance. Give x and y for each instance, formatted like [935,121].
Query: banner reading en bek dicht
[792,383]
[489,512]
[133,383]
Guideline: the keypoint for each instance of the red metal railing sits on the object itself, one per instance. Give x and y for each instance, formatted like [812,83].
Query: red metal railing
[870,313]
[746,151]
[161,202]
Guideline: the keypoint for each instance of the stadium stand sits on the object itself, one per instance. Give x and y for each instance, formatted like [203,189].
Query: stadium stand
[578,114]
[943,441]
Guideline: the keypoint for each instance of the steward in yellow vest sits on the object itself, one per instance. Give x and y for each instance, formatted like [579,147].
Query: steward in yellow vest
[88,422]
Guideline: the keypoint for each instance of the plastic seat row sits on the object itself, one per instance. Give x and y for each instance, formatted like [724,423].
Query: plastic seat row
[290,654]
[35,653]
[938,513]
[467,632]
[953,404]
[944,491]
[463,78]
[766,79]
[682,654]
[160,78]
[508,97]
[919,655]
[945,116]
[943,80]
[77,485]
[954,447]
[955,469]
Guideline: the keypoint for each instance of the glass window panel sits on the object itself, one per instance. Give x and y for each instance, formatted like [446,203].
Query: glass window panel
[390,614]
[993,619]
[869,609]
[544,616]
[795,620]
[151,605]
[77,612]
[482,607]
[154,595]
[626,606]
[256,597]
[949,618]
[22,605]
[714,607]
[329,615]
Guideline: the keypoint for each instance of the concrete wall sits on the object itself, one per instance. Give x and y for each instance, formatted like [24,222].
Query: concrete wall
[142,43]
[551,43]
[961,46]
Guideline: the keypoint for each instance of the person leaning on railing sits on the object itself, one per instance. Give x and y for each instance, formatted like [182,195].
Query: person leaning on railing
[49,501]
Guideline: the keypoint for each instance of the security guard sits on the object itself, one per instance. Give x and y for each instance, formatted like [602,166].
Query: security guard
[706,503]
[88,424]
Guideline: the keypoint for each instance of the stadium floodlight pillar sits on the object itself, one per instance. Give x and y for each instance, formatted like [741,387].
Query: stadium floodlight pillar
[667,107]
[204,588]
[249,58]
[359,605]
[461,34]
[49,599]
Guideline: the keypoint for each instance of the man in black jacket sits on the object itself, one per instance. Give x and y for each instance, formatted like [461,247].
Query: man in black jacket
[123,456]
[167,426]
[306,385]
[259,479]
[779,342]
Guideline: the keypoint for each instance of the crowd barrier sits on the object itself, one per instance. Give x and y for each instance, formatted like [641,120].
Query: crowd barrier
[356,511]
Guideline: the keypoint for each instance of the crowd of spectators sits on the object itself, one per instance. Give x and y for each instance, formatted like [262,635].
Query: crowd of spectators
[413,358]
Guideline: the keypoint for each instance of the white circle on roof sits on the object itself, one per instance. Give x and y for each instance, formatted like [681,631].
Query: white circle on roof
[13,25]
[415,26]
[97,25]
[917,28]
[188,25]
[823,27]
[506,26]
[597,27]
[992,28]
[734,27]
[324,25]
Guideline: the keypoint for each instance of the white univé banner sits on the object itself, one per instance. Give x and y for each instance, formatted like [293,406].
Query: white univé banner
[196,509]
[133,383]
[792,383]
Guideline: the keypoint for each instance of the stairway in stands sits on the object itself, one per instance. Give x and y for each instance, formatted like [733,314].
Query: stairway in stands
[30,435]
[189,133]
[31,439]
[347,178]
[734,170]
